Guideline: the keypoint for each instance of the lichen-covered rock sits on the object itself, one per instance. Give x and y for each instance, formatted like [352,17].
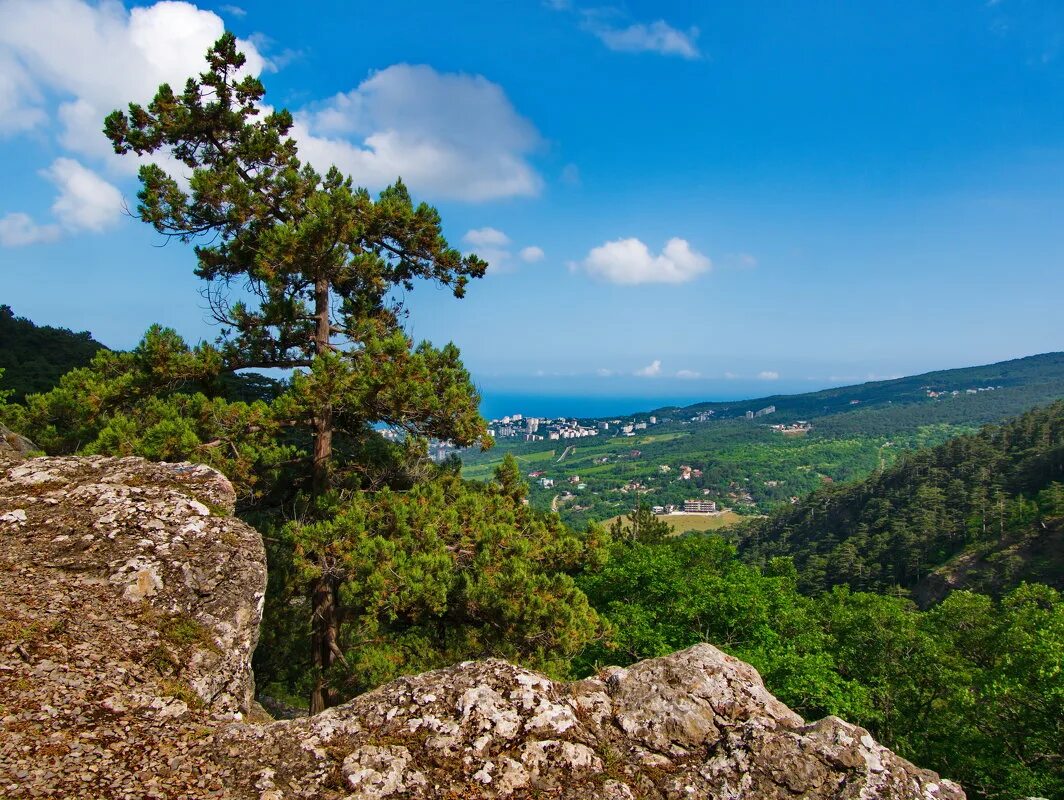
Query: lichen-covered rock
[696,724]
[131,603]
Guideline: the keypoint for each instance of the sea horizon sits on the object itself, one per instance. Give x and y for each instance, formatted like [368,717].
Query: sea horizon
[495,405]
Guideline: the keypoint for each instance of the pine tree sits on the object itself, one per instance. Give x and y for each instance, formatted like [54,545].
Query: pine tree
[302,269]
[641,525]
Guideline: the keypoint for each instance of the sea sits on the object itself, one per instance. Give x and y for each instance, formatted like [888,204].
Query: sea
[495,405]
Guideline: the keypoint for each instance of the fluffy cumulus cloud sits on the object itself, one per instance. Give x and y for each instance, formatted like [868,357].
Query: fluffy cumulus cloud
[493,246]
[487,237]
[65,64]
[18,229]
[446,134]
[629,261]
[768,375]
[657,37]
[19,98]
[93,58]
[688,374]
[651,370]
[86,202]
[531,254]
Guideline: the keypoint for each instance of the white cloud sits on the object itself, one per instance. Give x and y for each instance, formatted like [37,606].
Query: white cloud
[493,246]
[18,230]
[94,58]
[602,372]
[531,254]
[19,98]
[768,375]
[629,261]
[86,201]
[657,37]
[235,11]
[446,134]
[486,237]
[730,376]
[651,370]
[688,374]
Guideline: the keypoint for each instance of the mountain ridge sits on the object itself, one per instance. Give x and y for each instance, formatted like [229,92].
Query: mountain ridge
[1008,374]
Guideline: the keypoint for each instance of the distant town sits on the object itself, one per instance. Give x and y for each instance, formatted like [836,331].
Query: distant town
[538,429]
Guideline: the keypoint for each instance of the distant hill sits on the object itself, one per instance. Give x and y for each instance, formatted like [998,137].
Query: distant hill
[983,511]
[983,394]
[33,357]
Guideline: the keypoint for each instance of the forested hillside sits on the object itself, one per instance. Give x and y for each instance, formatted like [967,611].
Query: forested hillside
[746,465]
[997,491]
[1030,381]
[33,357]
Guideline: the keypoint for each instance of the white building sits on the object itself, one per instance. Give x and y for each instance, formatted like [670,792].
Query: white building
[699,506]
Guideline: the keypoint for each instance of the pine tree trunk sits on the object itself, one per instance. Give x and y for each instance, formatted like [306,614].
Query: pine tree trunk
[323,638]
[325,619]
[323,420]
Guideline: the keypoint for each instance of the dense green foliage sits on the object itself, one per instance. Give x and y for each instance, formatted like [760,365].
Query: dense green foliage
[447,571]
[892,529]
[973,688]
[34,357]
[164,401]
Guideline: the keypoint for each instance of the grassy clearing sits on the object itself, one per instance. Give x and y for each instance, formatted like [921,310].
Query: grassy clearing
[529,462]
[684,523]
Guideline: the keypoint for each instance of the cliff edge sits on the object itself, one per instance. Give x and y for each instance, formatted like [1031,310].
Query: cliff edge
[131,600]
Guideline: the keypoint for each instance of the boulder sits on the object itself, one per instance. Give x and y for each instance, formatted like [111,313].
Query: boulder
[696,724]
[131,601]
[14,445]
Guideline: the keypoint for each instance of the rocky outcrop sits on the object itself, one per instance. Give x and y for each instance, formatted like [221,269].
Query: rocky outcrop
[130,608]
[1034,555]
[696,724]
[131,603]
[14,444]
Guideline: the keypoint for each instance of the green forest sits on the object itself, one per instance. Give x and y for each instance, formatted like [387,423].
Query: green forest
[991,496]
[384,563]
[33,358]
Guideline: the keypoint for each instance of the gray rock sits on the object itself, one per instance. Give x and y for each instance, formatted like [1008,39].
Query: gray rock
[132,600]
[14,445]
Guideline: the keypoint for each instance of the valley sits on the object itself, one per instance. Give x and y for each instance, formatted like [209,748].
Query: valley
[746,464]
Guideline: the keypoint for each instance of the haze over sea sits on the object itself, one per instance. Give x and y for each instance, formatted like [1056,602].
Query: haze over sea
[494,405]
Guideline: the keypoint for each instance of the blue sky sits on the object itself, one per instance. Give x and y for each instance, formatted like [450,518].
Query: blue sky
[679,200]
